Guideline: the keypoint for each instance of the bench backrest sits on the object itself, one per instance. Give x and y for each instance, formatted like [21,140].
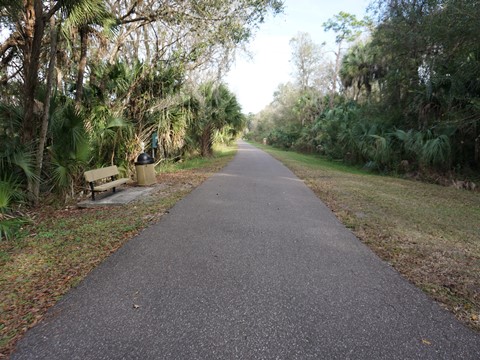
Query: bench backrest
[97,174]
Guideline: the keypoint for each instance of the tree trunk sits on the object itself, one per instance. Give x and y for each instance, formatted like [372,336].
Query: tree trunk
[34,30]
[206,142]
[46,111]
[477,146]
[335,75]
[147,46]
[82,64]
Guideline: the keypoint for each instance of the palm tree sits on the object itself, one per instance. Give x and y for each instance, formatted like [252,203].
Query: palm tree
[69,151]
[81,18]
[216,107]
[360,69]
[31,19]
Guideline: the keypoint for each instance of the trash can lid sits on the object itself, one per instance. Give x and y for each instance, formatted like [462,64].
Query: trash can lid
[144,159]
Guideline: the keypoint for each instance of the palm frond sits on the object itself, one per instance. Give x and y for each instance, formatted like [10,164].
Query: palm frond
[437,151]
[83,12]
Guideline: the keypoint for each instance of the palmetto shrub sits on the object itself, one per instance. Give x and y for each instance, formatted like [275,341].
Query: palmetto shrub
[10,221]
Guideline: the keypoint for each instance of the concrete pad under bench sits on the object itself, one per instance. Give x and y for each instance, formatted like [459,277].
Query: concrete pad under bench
[121,197]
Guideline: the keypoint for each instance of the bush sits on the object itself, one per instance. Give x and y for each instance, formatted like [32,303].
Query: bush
[284,138]
[10,221]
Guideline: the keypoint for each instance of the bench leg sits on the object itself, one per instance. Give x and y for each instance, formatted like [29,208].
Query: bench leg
[93,192]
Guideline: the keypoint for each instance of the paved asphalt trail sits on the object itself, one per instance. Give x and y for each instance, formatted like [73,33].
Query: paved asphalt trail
[250,265]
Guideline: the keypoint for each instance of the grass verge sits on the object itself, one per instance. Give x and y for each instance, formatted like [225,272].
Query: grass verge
[64,245]
[429,233]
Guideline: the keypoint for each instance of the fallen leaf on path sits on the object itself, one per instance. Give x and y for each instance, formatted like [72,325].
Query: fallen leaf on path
[426,342]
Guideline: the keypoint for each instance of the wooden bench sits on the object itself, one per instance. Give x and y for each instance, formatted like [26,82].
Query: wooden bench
[91,176]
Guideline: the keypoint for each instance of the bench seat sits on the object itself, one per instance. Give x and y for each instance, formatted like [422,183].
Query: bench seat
[110,184]
[107,173]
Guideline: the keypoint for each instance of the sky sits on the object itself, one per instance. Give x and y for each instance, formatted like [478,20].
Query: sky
[255,80]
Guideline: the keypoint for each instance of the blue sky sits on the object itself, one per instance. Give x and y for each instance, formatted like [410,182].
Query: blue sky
[255,80]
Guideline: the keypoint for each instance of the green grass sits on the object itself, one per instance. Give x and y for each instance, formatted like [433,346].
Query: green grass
[311,160]
[429,233]
[196,162]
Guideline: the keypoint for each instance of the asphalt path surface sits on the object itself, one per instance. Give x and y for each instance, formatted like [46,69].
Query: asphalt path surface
[250,265]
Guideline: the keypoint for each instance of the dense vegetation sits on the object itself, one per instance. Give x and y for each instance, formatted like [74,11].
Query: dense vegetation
[409,98]
[85,82]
